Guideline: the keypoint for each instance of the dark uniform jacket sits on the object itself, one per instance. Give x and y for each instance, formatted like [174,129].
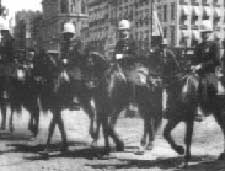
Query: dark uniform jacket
[207,54]
[126,46]
[170,67]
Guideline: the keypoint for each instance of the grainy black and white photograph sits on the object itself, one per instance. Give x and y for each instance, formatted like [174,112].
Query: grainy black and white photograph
[107,85]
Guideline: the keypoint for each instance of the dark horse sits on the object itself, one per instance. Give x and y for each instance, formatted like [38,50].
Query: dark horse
[62,89]
[183,108]
[112,94]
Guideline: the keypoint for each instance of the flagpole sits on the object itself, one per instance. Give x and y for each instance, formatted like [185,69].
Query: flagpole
[151,3]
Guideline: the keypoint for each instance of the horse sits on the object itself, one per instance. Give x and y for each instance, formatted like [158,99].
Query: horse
[183,108]
[23,92]
[63,90]
[112,95]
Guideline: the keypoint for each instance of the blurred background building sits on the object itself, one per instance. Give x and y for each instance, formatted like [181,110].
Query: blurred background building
[104,17]
[96,22]
[182,20]
[55,14]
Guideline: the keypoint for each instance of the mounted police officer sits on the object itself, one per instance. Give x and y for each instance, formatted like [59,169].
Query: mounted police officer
[126,46]
[170,73]
[206,59]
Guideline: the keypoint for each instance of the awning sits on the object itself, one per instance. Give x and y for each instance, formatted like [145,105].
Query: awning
[195,35]
[207,11]
[185,10]
[217,13]
[196,11]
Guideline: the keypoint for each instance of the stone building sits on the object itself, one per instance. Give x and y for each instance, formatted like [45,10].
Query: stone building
[182,20]
[24,28]
[55,14]
[105,15]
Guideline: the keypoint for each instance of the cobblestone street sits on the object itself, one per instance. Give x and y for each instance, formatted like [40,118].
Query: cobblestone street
[19,151]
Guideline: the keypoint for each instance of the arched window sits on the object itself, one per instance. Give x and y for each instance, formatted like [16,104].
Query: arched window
[83,7]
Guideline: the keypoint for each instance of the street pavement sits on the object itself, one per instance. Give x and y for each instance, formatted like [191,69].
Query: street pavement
[20,152]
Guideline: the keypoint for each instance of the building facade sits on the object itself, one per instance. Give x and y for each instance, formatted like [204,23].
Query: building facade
[104,17]
[182,20]
[24,28]
[55,14]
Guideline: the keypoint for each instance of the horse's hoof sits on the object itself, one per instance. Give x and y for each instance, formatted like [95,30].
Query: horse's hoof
[179,149]
[12,130]
[44,153]
[120,146]
[149,147]
[94,144]
[64,148]
[2,128]
[143,142]
[140,152]
[222,156]
[94,136]
[107,149]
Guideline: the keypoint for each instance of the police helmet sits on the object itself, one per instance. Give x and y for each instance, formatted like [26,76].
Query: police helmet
[124,25]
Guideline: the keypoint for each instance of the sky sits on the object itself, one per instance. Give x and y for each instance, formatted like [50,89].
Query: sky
[18,5]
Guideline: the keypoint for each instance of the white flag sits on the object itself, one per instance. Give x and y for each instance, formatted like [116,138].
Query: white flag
[156,25]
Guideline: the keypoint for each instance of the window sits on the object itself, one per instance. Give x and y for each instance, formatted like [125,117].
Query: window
[195,2]
[205,2]
[71,8]
[206,13]
[61,26]
[216,2]
[165,32]
[173,40]
[64,6]
[173,11]
[83,8]
[165,12]
[183,2]
[136,35]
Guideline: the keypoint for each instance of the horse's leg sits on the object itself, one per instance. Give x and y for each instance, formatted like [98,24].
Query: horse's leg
[36,125]
[11,122]
[151,131]
[51,130]
[219,116]
[143,139]
[30,122]
[104,122]
[3,114]
[99,120]
[189,134]
[34,111]
[112,121]
[92,115]
[60,123]
[171,124]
